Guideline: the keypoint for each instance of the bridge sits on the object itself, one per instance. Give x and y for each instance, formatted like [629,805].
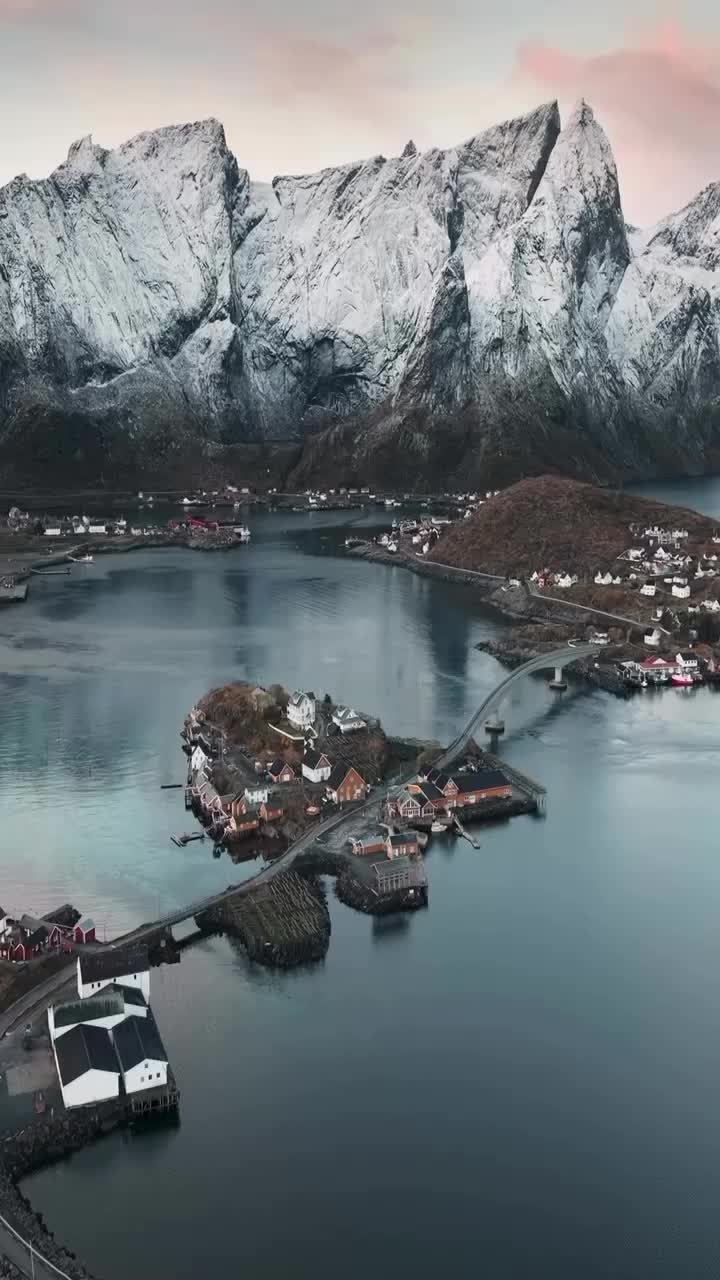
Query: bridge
[489,708]
[45,992]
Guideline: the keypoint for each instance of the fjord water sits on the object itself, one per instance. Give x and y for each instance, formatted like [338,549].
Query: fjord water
[521,1080]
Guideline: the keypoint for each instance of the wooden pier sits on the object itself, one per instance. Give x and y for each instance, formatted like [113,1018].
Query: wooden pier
[465,834]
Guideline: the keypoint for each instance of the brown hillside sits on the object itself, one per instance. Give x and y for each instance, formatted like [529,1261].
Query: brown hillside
[554,523]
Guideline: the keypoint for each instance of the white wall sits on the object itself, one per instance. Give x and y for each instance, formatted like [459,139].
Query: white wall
[93,1086]
[146,1075]
[139,980]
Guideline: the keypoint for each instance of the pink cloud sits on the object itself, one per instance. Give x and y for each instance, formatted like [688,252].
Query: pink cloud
[659,97]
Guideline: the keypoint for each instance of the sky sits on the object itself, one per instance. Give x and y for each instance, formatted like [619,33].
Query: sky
[300,84]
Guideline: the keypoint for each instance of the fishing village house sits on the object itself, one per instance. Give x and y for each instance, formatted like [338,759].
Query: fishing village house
[316,766]
[141,1053]
[281,771]
[348,720]
[270,810]
[401,844]
[301,710]
[345,784]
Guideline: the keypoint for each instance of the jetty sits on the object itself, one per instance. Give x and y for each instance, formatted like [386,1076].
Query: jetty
[457,824]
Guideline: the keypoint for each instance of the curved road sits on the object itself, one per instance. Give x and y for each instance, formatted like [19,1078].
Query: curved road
[27,1004]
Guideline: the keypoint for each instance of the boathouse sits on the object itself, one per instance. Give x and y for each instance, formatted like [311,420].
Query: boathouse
[141,1053]
[84,930]
[481,784]
[127,966]
[87,1066]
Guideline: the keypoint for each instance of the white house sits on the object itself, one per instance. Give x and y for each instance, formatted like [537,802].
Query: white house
[301,710]
[652,638]
[316,766]
[347,720]
[256,795]
[648,589]
[141,1053]
[127,966]
[687,662]
[681,592]
[97,528]
[52,531]
[603,579]
[563,580]
[635,554]
[198,760]
[87,1066]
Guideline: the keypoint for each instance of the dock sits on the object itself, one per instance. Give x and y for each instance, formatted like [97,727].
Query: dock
[534,790]
[464,833]
[186,837]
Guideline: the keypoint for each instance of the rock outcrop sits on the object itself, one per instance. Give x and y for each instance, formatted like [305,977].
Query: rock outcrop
[479,313]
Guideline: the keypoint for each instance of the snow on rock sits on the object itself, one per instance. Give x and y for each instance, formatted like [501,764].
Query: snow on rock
[155,292]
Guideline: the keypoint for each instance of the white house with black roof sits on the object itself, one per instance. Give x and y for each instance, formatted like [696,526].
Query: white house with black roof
[127,966]
[87,1066]
[141,1053]
[316,766]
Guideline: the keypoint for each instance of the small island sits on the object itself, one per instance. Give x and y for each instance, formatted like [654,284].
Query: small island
[318,788]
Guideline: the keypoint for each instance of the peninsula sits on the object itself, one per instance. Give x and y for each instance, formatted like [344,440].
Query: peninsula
[564,560]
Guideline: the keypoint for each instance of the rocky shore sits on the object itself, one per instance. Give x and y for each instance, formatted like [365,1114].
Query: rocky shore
[44,1140]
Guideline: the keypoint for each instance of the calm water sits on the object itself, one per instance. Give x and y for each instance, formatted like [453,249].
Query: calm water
[520,1081]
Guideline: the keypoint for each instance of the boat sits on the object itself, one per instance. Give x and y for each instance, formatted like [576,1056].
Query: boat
[682,678]
[81,559]
[242,533]
[436,826]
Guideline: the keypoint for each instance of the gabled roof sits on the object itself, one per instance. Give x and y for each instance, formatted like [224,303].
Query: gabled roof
[297,698]
[430,791]
[85,1049]
[137,1039]
[107,1004]
[340,773]
[346,713]
[277,767]
[314,758]
[106,963]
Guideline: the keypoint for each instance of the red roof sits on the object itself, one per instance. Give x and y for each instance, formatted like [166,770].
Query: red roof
[656,662]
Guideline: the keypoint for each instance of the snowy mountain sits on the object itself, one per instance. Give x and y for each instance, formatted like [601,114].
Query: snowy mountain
[480,312]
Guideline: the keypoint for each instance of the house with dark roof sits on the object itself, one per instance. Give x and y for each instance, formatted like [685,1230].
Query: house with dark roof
[281,771]
[128,966]
[401,844]
[141,1053]
[346,783]
[87,1066]
[316,766]
[477,785]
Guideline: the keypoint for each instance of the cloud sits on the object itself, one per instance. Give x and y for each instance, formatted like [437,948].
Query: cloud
[659,97]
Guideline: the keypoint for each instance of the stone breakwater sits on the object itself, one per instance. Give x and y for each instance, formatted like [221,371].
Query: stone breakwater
[41,1142]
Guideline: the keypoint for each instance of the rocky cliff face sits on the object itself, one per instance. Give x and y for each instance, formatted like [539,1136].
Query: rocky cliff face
[481,312]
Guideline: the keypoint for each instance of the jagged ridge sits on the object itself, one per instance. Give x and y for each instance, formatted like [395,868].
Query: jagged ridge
[475,312]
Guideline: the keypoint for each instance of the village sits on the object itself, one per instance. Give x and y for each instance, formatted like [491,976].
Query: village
[333,761]
[653,605]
